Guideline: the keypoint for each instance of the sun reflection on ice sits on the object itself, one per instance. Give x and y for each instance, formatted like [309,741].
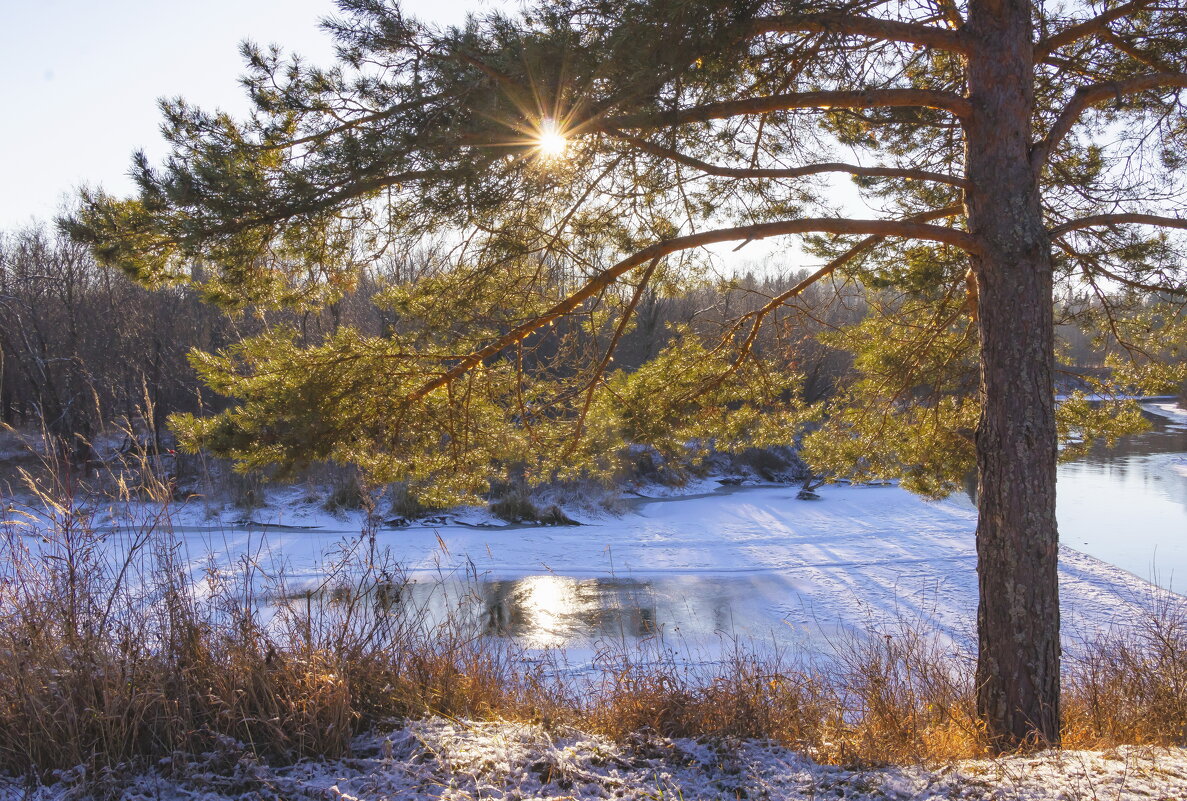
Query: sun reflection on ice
[550,605]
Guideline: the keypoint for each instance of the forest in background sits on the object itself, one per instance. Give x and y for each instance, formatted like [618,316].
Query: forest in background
[87,354]
[84,349]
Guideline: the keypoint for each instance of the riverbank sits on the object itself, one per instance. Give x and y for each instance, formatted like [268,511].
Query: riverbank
[745,562]
[714,564]
[461,660]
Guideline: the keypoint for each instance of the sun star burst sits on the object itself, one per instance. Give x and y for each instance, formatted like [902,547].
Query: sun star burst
[550,141]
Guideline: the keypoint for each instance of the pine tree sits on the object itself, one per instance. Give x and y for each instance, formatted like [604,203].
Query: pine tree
[568,158]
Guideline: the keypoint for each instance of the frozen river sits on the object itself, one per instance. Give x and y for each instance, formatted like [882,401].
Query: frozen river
[758,564]
[755,564]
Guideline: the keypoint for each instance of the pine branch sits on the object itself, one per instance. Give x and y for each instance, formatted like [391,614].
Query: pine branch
[1073,33]
[868,98]
[349,125]
[837,225]
[1091,264]
[1134,52]
[1099,220]
[883,29]
[757,316]
[1087,96]
[791,172]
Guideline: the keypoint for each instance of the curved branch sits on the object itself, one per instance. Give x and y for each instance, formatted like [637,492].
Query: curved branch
[791,172]
[869,98]
[1091,264]
[1044,47]
[1134,52]
[883,29]
[1087,96]
[1118,219]
[828,225]
[828,269]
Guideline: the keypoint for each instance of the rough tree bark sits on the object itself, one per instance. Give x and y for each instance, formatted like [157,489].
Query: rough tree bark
[1017,539]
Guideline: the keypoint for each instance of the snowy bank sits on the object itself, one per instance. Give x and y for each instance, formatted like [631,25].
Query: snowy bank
[457,760]
[1169,409]
[748,562]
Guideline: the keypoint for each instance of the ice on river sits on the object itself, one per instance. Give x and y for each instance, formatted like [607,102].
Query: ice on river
[750,562]
[755,563]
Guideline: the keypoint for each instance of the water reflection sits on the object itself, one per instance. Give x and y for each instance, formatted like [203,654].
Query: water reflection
[1127,504]
[1164,436]
[554,609]
[551,611]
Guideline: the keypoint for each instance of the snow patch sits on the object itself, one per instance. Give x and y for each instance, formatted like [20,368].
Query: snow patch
[1168,409]
[455,760]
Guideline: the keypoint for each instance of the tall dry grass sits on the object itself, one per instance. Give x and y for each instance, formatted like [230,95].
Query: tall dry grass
[117,647]
[1130,687]
[118,650]
[874,700]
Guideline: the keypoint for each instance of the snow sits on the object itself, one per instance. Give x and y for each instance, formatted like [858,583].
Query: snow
[460,760]
[1170,410]
[752,563]
[740,562]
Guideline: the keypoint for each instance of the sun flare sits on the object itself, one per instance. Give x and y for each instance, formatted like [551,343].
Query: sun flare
[550,141]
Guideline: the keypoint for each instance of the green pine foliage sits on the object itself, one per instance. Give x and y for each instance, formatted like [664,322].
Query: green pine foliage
[420,134]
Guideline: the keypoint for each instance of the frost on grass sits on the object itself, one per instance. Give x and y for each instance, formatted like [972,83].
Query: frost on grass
[458,761]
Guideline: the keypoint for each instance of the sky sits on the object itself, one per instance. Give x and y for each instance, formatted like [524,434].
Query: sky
[81,81]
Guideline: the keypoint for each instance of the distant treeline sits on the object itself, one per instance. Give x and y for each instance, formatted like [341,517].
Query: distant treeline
[80,345]
[83,347]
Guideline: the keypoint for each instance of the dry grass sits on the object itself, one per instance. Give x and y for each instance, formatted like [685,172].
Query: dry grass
[910,699]
[106,662]
[877,700]
[1130,687]
[116,652]
[744,697]
[116,649]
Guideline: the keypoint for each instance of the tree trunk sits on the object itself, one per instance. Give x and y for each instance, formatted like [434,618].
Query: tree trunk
[1017,538]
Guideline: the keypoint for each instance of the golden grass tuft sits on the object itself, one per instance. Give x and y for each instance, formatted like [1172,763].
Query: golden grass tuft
[1130,687]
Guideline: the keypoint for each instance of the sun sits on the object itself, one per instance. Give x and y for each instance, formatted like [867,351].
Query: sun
[551,143]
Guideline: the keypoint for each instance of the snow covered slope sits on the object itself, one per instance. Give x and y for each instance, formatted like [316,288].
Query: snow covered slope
[460,761]
[750,562]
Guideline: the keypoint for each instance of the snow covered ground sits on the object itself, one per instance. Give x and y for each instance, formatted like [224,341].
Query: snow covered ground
[753,563]
[747,562]
[458,761]
[1170,410]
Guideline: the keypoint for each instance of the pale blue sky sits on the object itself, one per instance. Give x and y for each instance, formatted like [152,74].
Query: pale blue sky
[81,79]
